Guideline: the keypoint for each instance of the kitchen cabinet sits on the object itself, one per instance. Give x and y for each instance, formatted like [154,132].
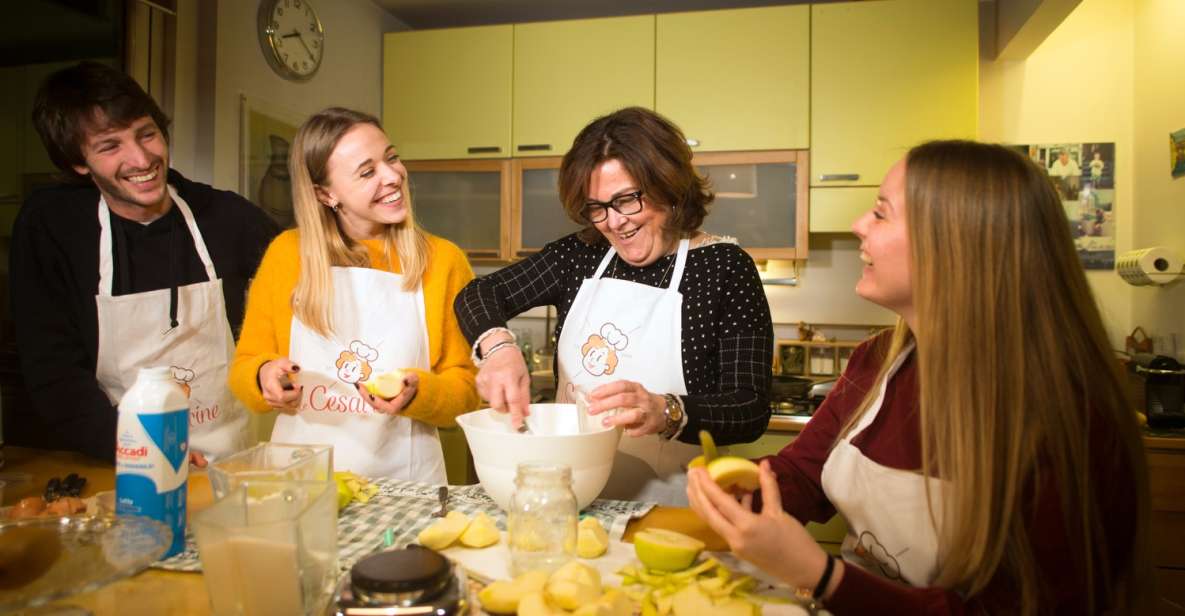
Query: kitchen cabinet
[537,216]
[760,200]
[447,93]
[885,76]
[466,202]
[567,73]
[1166,484]
[736,79]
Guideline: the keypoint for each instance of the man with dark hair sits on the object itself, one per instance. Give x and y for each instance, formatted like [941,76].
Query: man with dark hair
[128,265]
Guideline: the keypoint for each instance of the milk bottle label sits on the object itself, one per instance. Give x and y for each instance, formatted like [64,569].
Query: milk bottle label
[152,459]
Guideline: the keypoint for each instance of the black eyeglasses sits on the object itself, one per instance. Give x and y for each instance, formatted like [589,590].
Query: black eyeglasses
[626,205]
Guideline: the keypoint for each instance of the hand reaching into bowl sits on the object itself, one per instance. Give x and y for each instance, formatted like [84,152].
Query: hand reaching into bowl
[503,380]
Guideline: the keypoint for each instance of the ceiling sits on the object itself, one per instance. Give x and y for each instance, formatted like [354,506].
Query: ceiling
[420,14]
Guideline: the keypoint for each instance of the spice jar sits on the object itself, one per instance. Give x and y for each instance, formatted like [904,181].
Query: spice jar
[541,522]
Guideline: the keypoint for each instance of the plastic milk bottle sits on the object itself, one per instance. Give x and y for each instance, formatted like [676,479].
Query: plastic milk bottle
[152,452]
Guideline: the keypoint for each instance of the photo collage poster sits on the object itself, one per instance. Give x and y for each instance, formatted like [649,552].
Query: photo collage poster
[1084,176]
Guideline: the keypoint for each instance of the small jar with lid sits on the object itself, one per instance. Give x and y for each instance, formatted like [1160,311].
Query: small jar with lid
[541,522]
[416,578]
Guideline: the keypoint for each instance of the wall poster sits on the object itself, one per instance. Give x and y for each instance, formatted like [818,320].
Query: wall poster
[1084,176]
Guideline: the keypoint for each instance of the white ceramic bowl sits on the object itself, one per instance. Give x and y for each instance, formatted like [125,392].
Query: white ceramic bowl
[555,438]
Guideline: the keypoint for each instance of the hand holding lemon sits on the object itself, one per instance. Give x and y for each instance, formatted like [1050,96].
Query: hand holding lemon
[390,392]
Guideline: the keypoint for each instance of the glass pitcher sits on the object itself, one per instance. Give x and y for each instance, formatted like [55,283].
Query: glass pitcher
[270,547]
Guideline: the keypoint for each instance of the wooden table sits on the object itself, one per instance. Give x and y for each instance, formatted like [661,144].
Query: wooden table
[154,592]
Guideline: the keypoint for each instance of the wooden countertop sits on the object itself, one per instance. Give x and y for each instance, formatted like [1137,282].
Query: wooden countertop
[154,592]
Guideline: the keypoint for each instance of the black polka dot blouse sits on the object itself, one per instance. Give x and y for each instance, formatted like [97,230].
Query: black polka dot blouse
[727,333]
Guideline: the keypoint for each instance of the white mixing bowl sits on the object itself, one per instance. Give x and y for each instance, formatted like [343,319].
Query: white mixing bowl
[554,438]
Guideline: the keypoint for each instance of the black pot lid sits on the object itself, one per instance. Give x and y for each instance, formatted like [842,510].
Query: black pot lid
[411,569]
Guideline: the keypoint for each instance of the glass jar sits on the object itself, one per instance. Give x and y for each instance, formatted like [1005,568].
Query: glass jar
[541,522]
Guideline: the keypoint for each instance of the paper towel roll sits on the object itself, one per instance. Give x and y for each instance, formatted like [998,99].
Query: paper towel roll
[1156,265]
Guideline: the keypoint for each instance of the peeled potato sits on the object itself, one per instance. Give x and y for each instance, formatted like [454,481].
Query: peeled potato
[481,532]
[591,538]
[442,534]
[386,385]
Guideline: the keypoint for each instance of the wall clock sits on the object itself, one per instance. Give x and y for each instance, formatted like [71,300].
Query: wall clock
[291,37]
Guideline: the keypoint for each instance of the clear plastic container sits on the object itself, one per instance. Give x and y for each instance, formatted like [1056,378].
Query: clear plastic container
[274,461]
[270,547]
[542,519]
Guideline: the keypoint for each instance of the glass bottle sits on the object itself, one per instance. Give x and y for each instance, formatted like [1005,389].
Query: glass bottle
[542,518]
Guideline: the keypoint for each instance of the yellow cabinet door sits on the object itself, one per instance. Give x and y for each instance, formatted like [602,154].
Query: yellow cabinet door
[446,93]
[833,210]
[568,73]
[736,80]
[885,76]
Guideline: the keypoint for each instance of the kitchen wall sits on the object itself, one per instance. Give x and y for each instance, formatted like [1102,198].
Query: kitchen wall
[1158,109]
[219,60]
[1077,86]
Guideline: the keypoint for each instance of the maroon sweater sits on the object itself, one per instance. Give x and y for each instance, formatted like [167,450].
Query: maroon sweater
[893,440]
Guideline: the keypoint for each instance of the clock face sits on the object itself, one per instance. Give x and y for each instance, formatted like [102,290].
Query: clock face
[292,37]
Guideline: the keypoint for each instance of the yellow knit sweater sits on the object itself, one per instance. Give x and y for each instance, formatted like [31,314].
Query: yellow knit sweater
[444,392]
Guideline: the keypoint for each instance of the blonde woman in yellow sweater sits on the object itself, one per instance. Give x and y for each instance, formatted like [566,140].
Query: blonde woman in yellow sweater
[356,290]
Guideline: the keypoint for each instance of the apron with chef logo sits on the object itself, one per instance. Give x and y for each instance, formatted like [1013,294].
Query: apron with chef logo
[378,327]
[890,531]
[621,330]
[135,332]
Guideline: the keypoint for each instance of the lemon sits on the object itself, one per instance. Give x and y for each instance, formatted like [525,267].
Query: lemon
[386,385]
[666,550]
[733,472]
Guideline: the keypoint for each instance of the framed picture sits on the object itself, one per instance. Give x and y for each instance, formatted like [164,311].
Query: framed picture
[1177,153]
[1084,176]
[267,134]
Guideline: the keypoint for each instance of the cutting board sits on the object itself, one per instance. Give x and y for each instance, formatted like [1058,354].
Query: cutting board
[493,563]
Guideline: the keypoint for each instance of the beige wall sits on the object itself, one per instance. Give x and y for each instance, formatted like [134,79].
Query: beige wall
[1077,87]
[1159,108]
[219,61]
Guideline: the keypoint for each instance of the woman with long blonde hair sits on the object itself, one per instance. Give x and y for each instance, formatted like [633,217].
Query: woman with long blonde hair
[984,454]
[356,291]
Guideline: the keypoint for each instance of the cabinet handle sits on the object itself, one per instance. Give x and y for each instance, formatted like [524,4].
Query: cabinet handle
[482,254]
[485,149]
[535,147]
[525,253]
[839,177]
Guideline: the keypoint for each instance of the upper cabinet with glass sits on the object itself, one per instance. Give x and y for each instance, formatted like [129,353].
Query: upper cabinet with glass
[736,80]
[567,73]
[761,199]
[466,202]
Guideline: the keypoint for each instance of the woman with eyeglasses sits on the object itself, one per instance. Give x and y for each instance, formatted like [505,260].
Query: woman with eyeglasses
[658,320]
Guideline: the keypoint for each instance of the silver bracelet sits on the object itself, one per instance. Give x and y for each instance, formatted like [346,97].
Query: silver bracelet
[494,349]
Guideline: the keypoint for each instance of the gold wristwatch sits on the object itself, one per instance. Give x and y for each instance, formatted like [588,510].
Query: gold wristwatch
[674,416]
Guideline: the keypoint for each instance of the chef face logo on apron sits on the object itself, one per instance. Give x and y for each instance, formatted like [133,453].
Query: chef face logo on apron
[200,412]
[353,366]
[599,352]
[869,549]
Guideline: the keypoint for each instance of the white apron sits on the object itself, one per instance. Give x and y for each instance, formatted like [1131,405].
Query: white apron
[620,330]
[890,531]
[135,332]
[379,327]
